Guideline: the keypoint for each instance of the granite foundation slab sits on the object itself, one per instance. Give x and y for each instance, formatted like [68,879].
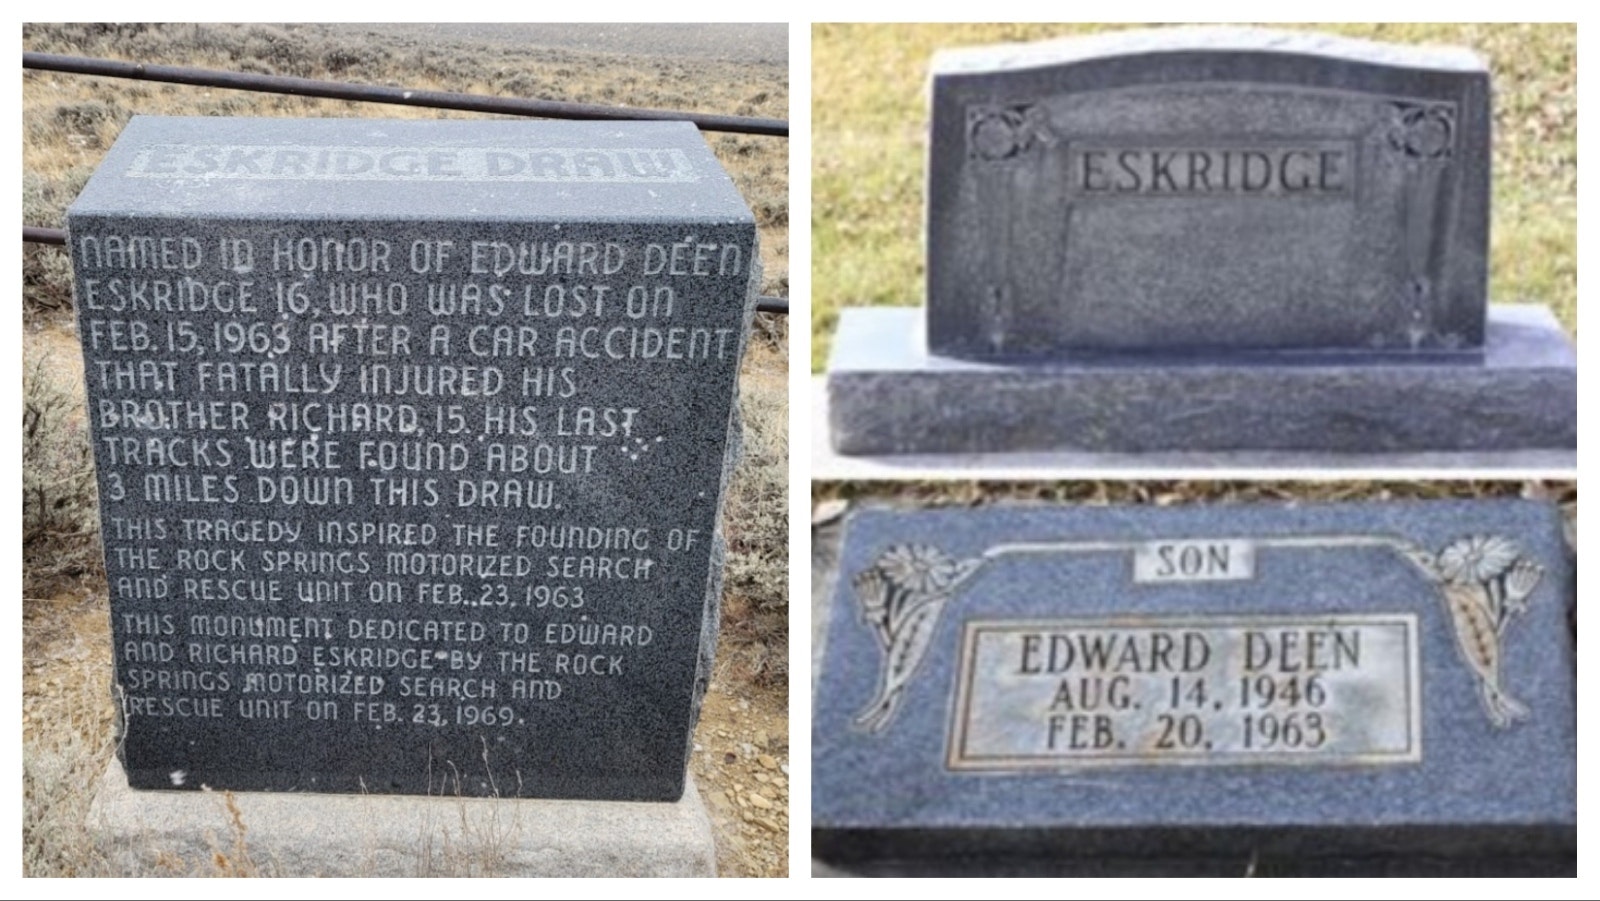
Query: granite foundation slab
[167,833]
[887,395]
[941,743]
[832,466]
[829,465]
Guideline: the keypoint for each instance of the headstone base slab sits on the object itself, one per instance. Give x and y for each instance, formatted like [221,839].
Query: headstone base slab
[827,464]
[888,396]
[158,833]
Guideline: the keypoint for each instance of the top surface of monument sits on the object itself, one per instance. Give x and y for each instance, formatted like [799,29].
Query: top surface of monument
[1198,189]
[956,61]
[379,168]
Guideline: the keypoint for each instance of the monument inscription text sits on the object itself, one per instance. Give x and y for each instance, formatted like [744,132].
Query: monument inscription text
[1322,168]
[1198,690]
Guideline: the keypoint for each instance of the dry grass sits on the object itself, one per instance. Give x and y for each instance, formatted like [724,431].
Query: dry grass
[67,716]
[1168,493]
[68,123]
[756,578]
[58,491]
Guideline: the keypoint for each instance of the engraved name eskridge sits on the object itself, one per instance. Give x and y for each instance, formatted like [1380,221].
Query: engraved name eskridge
[1484,583]
[1212,170]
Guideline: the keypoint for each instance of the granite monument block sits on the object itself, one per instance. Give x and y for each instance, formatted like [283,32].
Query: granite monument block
[1195,240]
[1207,189]
[412,440]
[1357,688]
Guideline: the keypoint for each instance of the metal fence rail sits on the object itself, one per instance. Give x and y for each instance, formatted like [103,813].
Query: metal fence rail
[336,90]
[310,87]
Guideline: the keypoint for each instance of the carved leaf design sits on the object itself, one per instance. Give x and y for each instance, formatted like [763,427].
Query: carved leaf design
[1484,581]
[901,596]
[1476,632]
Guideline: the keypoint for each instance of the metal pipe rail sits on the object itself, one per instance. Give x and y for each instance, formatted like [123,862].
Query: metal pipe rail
[310,87]
[34,235]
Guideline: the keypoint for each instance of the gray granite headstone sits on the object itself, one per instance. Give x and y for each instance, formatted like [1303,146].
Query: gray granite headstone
[1205,240]
[1279,689]
[1211,188]
[412,440]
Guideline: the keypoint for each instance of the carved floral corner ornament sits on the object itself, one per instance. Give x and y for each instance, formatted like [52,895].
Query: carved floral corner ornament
[1005,132]
[901,597]
[1484,581]
[1422,136]
[1422,131]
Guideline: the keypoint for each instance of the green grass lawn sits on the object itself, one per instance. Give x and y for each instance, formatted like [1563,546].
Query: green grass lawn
[869,121]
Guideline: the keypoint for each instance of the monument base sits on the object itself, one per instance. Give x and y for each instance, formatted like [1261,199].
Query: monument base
[888,396]
[156,833]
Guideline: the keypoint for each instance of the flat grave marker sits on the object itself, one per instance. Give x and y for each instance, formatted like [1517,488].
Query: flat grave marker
[1205,689]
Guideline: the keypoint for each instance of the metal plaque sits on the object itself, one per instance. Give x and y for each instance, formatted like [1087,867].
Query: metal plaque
[1047,694]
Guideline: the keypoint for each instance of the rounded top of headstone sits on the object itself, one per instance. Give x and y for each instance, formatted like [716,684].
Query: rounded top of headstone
[1136,42]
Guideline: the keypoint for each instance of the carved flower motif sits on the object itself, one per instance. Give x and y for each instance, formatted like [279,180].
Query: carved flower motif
[873,593]
[1520,582]
[918,568]
[1423,131]
[994,137]
[1477,559]
[1001,133]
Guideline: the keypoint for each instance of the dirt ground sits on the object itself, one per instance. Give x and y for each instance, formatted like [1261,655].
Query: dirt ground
[742,42]
[741,763]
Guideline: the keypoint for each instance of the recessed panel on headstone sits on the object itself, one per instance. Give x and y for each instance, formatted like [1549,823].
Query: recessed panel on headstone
[1204,190]
[411,442]
[1295,688]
